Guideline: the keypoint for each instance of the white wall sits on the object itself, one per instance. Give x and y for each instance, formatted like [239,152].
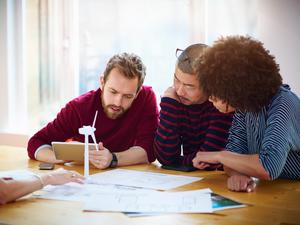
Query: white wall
[230,17]
[13,83]
[3,65]
[279,28]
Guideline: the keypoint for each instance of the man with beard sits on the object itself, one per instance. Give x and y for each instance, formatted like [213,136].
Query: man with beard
[126,121]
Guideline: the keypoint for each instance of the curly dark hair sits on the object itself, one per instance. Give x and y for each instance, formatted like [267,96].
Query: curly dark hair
[130,65]
[241,72]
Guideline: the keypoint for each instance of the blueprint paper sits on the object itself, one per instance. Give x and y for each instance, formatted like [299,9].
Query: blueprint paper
[198,201]
[133,178]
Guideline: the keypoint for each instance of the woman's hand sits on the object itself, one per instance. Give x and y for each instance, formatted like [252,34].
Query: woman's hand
[241,183]
[61,176]
[203,160]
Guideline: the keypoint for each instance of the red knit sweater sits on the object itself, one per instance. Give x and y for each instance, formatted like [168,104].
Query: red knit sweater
[135,128]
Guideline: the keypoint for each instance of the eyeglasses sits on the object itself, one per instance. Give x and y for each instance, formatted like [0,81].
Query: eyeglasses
[184,61]
[188,63]
[181,55]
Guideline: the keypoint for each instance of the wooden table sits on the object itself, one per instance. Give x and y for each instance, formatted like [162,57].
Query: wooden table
[274,202]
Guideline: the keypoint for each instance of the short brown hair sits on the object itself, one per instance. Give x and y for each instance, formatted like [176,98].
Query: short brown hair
[130,65]
[241,72]
[189,58]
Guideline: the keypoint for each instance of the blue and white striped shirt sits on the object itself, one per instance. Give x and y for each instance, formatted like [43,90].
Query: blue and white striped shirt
[273,133]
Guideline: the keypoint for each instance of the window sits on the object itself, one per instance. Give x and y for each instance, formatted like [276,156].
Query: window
[54,50]
[151,29]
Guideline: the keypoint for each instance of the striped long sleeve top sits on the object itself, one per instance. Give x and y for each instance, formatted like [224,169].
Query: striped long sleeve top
[273,134]
[199,127]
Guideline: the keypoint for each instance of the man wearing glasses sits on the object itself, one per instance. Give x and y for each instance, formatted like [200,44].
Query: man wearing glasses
[188,121]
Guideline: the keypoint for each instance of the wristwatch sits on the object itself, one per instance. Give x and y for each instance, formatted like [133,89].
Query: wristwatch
[114,161]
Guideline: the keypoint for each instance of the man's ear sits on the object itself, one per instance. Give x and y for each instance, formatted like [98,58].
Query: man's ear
[137,93]
[101,81]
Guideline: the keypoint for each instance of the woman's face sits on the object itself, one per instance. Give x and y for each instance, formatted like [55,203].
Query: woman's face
[221,105]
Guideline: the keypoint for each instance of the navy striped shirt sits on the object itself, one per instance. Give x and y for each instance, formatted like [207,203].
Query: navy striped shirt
[273,133]
[199,127]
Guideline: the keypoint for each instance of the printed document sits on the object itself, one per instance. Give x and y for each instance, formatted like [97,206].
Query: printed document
[197,201]
[134,178]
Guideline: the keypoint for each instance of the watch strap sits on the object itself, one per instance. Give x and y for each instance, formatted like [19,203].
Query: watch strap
[114,161]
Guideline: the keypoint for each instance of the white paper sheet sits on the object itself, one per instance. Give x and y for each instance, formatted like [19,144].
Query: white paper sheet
[158,181]
[198,201]
[17,174]
[81,192]
[219,202]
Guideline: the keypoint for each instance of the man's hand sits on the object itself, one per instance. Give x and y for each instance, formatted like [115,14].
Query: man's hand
[47,155]
[102,158]
[241,183]
[171,93]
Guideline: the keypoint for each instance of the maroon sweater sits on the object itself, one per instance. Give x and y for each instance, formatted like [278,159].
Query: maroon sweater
[135,128]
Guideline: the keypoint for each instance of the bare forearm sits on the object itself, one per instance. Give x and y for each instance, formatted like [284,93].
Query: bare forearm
[244,164]
[11,189]
[47,155]
[134,155]
[230,172]
[15,189]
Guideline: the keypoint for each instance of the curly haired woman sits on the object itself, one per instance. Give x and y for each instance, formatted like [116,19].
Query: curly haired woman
[240,75]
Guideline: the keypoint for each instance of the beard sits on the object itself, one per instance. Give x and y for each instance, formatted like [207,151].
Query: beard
[112,111]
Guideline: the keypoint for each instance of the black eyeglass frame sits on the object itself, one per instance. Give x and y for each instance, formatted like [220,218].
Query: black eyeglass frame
[182,56]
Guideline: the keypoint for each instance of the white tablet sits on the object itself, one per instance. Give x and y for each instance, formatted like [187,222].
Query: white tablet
[70,151]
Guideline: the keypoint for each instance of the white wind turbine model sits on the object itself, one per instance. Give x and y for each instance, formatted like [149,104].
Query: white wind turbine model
[87,131]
